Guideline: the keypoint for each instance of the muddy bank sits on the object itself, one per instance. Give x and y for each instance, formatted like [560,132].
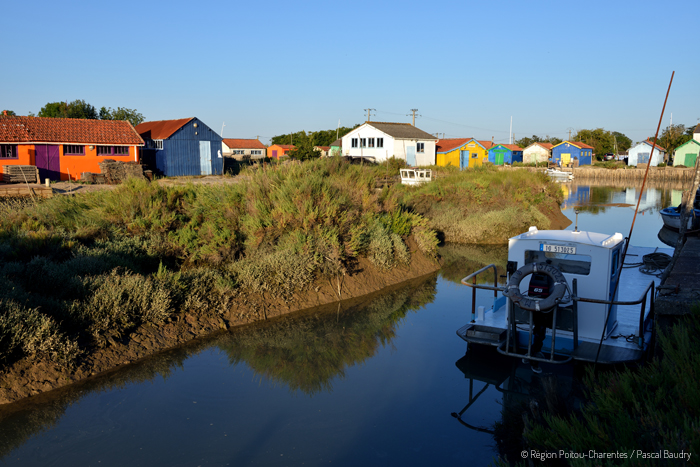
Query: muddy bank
[30,378]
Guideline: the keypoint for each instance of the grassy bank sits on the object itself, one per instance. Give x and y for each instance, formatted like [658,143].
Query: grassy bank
[484,205]
[79,273]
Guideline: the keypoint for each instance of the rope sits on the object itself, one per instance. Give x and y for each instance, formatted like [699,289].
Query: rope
[654,263]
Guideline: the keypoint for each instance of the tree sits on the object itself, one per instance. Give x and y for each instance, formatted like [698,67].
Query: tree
[304,148]
[130,115]
[525,142]
[81,109]
[623,142]
[674,136]
[319,138]
[54,110]
[603,141]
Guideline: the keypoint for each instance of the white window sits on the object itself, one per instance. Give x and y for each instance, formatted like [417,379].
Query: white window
[354,142]
[154,144]
[256,152]
[420,147]
[371,142]
[363,142]
[380,142]
[238,152]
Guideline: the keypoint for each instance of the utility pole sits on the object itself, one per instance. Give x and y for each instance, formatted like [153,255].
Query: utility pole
[368,111]
[413,111]
[222,129]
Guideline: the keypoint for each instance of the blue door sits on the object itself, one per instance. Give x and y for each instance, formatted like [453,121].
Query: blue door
[463,160]
[411,156]
[205,157]
[643,158]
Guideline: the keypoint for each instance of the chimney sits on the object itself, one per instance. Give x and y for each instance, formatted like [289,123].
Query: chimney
[4,112]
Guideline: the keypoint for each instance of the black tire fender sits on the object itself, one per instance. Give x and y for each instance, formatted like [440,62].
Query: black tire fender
[536,304]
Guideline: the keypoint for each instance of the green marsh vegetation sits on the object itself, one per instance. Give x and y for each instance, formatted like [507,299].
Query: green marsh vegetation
[77,272]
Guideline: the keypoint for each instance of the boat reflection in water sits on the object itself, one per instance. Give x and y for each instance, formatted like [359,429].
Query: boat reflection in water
[526,396]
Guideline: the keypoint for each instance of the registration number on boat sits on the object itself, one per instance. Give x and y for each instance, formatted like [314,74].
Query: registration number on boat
[569,250]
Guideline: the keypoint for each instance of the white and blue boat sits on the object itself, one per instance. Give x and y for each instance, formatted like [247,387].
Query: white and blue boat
[596,310]
[672,218]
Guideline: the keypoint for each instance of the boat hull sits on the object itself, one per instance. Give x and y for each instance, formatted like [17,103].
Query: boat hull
[672,219]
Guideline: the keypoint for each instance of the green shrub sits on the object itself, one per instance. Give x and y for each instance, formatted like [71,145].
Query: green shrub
[25,332]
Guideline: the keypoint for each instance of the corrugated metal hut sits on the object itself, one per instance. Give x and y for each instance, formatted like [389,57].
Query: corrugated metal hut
[63,148]
[567,152]
[181,147]
[640,153]
[505,154]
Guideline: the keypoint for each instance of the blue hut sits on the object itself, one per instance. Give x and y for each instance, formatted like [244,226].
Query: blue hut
[181,147]
[567,152]
[505,154]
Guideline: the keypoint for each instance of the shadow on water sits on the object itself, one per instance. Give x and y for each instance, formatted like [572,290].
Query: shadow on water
[525,397]
[304,351]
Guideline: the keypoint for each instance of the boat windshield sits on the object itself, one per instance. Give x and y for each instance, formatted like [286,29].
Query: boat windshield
[570,264]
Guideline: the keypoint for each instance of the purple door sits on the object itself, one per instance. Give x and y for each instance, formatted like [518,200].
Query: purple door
[47,161]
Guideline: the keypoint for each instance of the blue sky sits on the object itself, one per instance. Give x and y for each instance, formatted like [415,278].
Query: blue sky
[268,68]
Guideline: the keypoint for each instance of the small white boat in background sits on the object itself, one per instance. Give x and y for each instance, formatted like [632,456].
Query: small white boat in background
[412,176]
[559,175]
[672,218]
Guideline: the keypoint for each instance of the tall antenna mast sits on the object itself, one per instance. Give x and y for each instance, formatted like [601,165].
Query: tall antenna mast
[222,129]
[510,133]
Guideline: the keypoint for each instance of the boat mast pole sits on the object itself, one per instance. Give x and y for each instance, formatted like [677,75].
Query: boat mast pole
[629,237]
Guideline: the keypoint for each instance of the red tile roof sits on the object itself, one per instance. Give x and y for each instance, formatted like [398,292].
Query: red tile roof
[323,148]
[238,143]
[487,144]
[161,129]
[512,147]
[67,131]
[449,144]
[651,143]
[546,145]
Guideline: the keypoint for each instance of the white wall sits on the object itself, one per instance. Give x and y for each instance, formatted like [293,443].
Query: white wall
[634,152]
[392,147]
[535,153]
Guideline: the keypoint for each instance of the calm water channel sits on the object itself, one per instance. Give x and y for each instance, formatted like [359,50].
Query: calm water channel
[371,384]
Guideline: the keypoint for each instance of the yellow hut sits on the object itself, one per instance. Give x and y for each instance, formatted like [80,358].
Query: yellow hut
[462,152]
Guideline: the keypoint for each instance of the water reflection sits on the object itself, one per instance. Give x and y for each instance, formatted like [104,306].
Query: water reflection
[524,395]
[305,352]
[460,260]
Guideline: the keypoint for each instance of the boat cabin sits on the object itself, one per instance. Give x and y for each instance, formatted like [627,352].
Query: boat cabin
[415,176]
[593,259]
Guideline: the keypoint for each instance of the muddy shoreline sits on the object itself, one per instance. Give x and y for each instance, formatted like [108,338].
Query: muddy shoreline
[31,378]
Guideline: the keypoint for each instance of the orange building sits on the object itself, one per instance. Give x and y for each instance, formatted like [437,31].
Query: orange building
[66,147]
[276,151]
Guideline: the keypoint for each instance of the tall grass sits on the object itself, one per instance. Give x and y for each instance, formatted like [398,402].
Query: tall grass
[96,266]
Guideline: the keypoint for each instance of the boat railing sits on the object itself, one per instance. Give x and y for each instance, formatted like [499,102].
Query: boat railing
[649,291]
[472,277]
